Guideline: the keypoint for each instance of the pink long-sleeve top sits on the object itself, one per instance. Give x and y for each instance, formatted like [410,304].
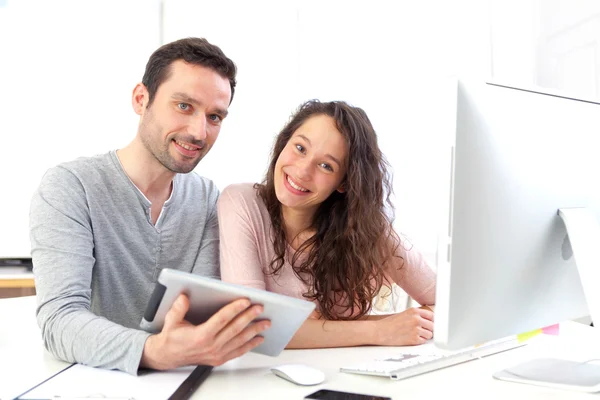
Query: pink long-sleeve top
[246,250]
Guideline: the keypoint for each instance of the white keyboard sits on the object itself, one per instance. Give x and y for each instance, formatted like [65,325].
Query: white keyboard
[405,365]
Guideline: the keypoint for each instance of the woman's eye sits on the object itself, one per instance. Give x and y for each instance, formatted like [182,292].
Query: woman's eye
[183,106]
[300,148]
[326,166]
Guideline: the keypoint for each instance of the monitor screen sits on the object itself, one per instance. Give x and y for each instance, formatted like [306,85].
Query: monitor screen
[518,158]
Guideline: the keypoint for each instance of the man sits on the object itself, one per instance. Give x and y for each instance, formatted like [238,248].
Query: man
[103,227]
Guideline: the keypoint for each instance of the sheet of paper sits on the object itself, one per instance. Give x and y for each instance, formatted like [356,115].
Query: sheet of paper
[81,381]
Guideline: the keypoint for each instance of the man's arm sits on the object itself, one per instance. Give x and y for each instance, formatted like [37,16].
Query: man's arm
[207,261]
[62,248]
[63,257]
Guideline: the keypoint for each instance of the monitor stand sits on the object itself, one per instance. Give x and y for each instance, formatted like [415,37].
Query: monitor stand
[584,235]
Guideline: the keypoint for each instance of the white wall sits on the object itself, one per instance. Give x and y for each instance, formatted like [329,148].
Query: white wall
[547,45]
[395,59]
[67,69]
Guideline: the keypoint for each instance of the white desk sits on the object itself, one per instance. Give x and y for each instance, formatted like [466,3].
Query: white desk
[24,363]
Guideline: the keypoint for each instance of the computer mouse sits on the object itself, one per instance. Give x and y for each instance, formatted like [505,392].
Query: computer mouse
[299,374]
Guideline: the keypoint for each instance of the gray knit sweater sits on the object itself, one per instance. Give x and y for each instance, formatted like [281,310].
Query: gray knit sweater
[96,255]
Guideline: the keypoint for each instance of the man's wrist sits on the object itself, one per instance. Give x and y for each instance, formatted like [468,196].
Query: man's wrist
[149,355]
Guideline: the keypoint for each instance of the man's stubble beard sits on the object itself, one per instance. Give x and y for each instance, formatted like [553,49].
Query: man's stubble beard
[160,150]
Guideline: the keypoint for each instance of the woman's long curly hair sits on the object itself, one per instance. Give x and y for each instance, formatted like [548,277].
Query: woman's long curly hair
[354,240]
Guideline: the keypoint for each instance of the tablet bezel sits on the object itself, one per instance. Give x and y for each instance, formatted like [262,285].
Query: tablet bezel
[208,295]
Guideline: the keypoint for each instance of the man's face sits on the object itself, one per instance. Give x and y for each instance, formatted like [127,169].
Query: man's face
[183,121]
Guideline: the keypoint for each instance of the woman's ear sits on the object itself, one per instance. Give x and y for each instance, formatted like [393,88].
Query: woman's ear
[341,188]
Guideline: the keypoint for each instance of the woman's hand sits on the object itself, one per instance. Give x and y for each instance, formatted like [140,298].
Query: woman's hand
[411,327]
[429,307]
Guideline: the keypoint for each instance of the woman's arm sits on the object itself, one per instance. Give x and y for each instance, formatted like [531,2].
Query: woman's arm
[410,327]
[319,333]
[239,260]
[413,274]
[240,263]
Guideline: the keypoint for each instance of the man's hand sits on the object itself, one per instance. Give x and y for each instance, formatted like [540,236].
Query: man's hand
[226,335]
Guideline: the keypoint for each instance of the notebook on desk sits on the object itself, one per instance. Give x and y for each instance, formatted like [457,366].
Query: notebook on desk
[79,381]
[402,365]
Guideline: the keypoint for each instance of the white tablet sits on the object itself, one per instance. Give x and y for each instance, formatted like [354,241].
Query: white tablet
[207,296]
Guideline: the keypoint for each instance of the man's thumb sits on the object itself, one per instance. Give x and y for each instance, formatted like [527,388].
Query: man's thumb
[177,312]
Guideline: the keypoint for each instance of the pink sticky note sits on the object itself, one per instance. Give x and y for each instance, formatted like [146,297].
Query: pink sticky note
[551,330]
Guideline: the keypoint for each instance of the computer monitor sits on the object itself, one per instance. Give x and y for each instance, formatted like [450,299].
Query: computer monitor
[518,158]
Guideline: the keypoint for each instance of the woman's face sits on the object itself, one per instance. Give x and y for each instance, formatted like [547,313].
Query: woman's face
[312,164]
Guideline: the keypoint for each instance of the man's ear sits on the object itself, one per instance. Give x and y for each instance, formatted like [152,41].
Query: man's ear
[139,98]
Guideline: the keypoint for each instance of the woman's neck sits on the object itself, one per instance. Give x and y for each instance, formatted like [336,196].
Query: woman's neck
[296,224]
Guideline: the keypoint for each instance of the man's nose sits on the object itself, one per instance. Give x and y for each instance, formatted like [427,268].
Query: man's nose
[197,127]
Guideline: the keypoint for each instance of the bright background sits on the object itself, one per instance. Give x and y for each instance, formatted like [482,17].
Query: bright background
[67,69]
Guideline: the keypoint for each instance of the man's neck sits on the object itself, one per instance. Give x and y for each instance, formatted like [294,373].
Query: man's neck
[147,173]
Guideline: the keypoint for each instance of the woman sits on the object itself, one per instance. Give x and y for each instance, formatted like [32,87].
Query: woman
[317,228]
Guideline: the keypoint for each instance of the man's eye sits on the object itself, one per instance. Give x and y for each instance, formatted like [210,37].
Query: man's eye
[215,117]
[183,106]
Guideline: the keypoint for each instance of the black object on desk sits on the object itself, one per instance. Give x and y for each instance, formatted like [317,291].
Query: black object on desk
[191,383]
[16,263]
